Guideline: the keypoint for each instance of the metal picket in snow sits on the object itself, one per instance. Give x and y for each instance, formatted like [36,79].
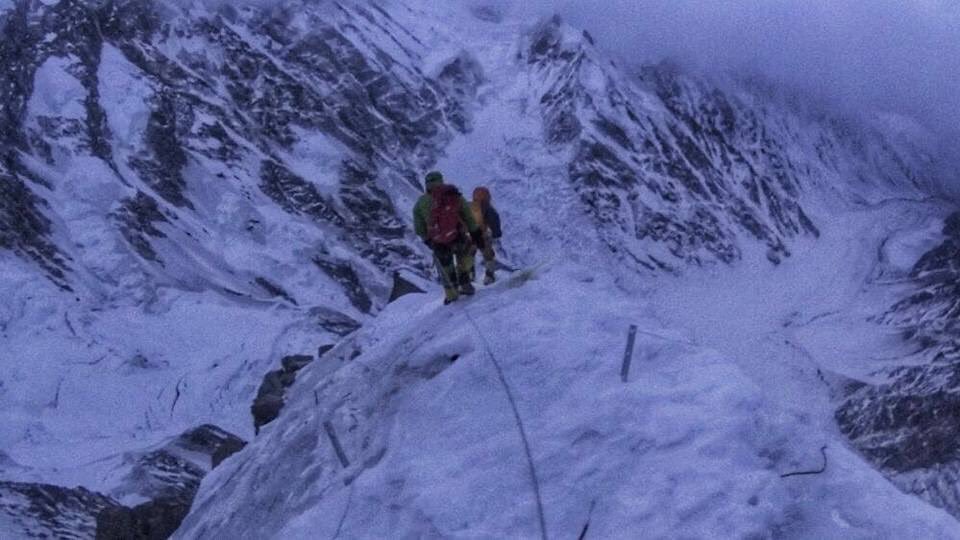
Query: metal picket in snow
[341,455]
[628,354]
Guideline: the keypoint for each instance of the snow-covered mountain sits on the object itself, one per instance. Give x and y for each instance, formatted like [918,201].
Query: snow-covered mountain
[907,421]
[193,190]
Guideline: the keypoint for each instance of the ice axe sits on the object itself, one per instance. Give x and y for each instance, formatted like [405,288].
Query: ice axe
[498,247]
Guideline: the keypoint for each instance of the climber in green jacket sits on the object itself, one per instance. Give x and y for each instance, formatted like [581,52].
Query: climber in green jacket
[443,220]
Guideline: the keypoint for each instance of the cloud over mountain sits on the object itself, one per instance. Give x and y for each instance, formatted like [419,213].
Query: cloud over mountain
[884,55]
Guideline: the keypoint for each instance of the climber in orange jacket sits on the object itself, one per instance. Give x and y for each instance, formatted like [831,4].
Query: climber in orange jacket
[486,216]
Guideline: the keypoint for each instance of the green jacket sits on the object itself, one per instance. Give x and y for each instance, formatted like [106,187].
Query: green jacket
[421,214]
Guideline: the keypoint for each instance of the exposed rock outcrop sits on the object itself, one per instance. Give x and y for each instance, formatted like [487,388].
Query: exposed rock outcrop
[910,426]
[169,477]
[270,396]
[45,511]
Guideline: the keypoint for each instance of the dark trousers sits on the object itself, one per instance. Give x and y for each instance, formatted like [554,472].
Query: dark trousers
[455,263]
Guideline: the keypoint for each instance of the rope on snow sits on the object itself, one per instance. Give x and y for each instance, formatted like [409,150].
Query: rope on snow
[665,338]
[346,510]
[516,416]
[586,526]
[823,450]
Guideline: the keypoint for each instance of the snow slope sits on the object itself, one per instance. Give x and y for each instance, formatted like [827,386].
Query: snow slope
[82,385]
[693,445]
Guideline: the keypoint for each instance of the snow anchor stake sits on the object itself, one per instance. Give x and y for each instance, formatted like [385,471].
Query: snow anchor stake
[328,427]
[628,354]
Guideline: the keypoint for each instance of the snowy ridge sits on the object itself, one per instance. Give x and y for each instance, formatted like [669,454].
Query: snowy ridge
[663,169]
[690,446]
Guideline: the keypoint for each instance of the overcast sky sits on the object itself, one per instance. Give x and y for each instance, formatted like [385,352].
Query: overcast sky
[896,55]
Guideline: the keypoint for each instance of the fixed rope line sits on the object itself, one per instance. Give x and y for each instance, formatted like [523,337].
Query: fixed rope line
[516,416]
[665,338]
[346,510]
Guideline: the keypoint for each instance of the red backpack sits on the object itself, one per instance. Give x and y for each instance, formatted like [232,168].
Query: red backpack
[444,226]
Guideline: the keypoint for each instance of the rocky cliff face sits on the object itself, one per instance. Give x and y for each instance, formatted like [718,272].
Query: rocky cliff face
[668,160]
[165,479]
[909,425]
[174,128]
[156,117]
[665,169]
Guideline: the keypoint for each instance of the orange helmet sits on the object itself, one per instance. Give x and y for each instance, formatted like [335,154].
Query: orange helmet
[481,195]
